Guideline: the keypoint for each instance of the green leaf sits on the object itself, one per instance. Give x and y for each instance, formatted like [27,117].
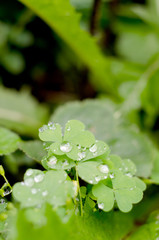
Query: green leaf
[33,149]
[51,132]
[62,19]
[8,141]
[125,190]
[39,187]
[92,171]
[106,124]
[13,114]
[149,230]
[76,134]
[57,162]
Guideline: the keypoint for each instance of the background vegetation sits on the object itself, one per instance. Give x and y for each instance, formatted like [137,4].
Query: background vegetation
[102,58]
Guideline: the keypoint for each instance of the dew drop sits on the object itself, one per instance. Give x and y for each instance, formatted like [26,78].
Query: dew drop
[97,178]
[93,148]
[68,129]
[65,147]
[29,182]
[52,162]
[79,146]
[81,155]
[65,163]
[101,205]
[33,190]
[38,178]
[103,168]
[131,189]
[29,172]
[111,175]
[90,181]
[45,193]
[50,124]
[128,174]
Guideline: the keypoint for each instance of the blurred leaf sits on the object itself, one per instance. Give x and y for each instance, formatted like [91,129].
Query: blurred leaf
[63,18]
[13,61]
[33,149]
[21,112]
[138,46]
[8,141]
[106,124]
[40,187]
[148,231]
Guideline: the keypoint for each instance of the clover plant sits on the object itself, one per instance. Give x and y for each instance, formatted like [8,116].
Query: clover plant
[77,168]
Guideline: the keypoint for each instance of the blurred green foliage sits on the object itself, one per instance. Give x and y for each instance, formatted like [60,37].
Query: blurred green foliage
[58,51]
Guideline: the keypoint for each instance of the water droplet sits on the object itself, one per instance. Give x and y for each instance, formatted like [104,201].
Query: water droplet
[131,189]
[128,174]
[39,178]
[50,124]
[79,146]
[101,205]
[52,162]
[65,163]
[111,175]
[90,181]
[45,193]
[105,147]
[29,172]
[69,128]
[103,168]
[42,129]
[29,182]
[97,178]
[81,155]
[93,148]
[65,147]
[95,153]
[33,190]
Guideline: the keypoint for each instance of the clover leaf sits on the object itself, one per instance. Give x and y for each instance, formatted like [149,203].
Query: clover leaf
[52,162]
[77,143]
[93,171]
[125,191]
[39,187]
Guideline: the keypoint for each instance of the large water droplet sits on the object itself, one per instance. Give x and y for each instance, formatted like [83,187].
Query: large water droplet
[6,190]
[52,162]
[81,155]
[29,182]
[34,190]
[103,168]
[29,172]
[101,205]
[93,148]
[39,178]
[65,147]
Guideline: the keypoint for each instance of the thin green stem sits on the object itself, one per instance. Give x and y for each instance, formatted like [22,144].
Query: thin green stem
[79,192]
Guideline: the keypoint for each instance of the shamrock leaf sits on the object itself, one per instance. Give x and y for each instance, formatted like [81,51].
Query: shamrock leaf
[51,132]
[39,187]
[125,190]
[92,171]
[126,165]
[77,143]
[52,162]
[75,133]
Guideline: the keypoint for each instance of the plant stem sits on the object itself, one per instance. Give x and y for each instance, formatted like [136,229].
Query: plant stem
[94,16]
[79,192]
